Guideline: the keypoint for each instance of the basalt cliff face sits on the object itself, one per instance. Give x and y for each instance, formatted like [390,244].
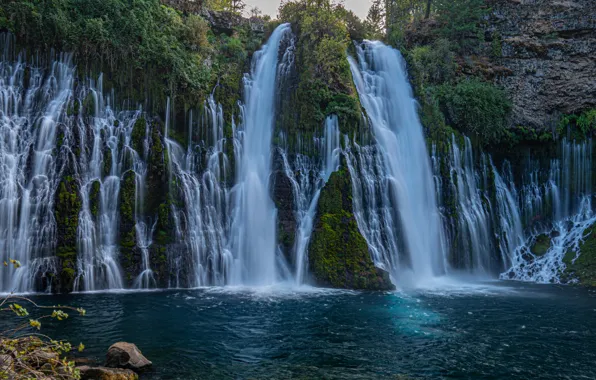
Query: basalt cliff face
[548,48]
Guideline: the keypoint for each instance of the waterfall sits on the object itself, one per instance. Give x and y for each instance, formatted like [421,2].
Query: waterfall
[144,227]
[106,153]
[202,223]
[559,209]
[33,103]
[473,210]
[307,177]
[408,192]
[255,215]
[372,208]
[332,146]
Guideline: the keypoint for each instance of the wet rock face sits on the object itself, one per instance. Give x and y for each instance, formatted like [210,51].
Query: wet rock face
[549,48]
[338,253]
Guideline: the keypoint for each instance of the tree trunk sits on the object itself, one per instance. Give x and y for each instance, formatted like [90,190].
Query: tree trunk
[428,4]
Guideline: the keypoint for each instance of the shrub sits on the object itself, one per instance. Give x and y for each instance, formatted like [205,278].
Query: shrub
[476,107]
[432,64]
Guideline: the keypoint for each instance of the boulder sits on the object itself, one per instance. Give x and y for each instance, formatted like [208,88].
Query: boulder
[126,355]
[103,373]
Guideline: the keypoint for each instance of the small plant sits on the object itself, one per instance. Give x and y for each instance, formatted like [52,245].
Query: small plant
[583,125]
[27,354]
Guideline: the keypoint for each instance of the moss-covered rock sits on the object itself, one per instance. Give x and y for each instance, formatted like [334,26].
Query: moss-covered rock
[582,267]
[541,245]
[128,244]
[321,82]
[138,135]
[338,254]
[68,206]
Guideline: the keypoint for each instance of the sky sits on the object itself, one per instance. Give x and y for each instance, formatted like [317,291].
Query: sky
[360,7]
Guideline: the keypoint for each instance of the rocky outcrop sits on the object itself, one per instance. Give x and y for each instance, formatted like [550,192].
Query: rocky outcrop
[127,356]
[103,373]
[548,48]
[338,254]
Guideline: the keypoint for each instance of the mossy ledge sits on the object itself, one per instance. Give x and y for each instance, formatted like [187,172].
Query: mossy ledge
[583,267]
[338,255]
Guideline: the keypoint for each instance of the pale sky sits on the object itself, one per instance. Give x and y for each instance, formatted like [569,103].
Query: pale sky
[360,7]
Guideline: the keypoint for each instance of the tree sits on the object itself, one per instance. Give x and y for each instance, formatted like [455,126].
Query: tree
[376,18]
[237,6]
[428,5]
[255,12]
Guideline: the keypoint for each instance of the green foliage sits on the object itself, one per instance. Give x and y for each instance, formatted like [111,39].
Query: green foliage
[26,354]
[196,32]
[460,22]
[403,12]
[477,108]
[432,64]
[583,124]
[324,83]
[141,35]
[375,20]
[236,6]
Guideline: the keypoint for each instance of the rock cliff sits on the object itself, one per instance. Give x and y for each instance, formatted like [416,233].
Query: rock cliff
[549,50]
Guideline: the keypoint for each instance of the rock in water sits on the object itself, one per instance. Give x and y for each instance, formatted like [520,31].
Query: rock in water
[102,373]
[126,355]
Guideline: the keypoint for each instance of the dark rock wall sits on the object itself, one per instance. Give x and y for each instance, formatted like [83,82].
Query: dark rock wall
[549,49]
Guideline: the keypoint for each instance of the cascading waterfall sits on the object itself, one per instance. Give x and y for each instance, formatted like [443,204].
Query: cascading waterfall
[203,223]
[408,192]
[102,164]
[559,209]
[473,210]
[30,113]
[372,208]
[509,223]
[144,226]
[255,215]
[495,232]
[307,177]
[478,218]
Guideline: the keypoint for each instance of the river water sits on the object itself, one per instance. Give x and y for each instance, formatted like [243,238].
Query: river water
[499,330]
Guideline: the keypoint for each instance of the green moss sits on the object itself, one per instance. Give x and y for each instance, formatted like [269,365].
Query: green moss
[582,267]
[127,199]
[541,245]
[323,82]
[67,209]
[138,135]
[89,105]
[338,253]
[94,198]
[107,162]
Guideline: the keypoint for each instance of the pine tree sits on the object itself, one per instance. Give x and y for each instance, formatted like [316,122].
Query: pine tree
[376,18]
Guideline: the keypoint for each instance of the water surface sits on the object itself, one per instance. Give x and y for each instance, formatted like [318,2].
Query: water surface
[491,331]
